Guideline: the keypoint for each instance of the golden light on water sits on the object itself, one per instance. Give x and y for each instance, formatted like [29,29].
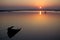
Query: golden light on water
[40,12]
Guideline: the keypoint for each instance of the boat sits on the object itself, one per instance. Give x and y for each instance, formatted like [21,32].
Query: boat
[12,32]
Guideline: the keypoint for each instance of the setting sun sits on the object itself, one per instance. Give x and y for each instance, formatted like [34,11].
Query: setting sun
[40,7]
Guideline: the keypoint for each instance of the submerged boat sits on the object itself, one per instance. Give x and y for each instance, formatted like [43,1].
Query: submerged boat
[11,32]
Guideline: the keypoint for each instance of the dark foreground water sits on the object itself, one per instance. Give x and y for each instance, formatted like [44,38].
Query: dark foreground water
[35,25]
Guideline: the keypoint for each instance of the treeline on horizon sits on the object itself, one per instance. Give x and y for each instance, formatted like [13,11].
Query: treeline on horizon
[30,10]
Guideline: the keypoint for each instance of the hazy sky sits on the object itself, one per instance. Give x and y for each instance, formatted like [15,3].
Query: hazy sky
[30,3]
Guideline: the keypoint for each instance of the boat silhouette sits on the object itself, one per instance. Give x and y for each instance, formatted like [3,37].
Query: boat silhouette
[11,32]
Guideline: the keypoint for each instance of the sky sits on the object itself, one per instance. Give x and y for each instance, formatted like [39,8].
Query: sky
[16,4]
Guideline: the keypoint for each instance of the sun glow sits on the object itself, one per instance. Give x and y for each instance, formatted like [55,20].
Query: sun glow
[40,7]
[40,11]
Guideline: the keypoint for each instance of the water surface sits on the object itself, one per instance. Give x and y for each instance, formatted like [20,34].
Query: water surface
[36,25]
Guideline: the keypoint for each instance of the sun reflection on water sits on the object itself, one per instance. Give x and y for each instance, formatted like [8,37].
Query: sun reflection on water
[40,12]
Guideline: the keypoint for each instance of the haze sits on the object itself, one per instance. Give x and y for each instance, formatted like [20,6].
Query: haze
[18,4]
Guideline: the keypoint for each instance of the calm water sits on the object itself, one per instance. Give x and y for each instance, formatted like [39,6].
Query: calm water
[35,25]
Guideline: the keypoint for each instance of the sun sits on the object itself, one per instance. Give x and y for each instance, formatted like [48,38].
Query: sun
[40,7]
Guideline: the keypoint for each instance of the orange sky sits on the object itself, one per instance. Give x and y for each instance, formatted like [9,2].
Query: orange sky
[35,3]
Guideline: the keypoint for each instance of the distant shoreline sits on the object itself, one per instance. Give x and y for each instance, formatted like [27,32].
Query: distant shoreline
[30,10]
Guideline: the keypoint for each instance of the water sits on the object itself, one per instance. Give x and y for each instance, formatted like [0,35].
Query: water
[36,25]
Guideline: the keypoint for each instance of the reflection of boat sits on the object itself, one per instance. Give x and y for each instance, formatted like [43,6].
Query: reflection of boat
[11,32]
